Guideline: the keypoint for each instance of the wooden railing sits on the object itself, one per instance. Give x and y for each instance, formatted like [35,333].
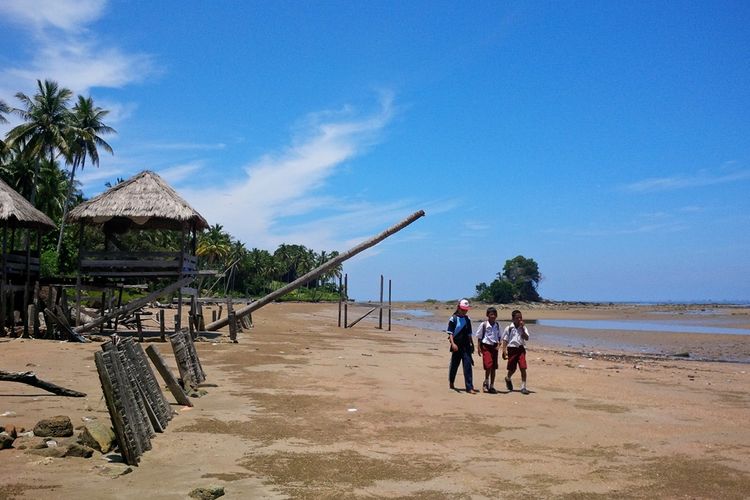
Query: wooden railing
[137,264]
[15,265]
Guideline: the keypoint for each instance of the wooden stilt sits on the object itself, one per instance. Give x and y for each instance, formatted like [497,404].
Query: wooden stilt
[162,328]
[139,326]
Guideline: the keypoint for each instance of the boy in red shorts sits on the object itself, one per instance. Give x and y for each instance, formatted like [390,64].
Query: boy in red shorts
[514,340]
[488,335]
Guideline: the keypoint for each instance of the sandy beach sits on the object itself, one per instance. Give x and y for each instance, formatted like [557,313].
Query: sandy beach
[300,408]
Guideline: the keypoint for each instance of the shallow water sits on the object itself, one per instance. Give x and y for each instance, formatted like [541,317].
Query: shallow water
[640,326]
[573,333]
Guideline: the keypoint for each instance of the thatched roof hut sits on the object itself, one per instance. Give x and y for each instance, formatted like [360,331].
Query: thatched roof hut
[17,212]
[144,201]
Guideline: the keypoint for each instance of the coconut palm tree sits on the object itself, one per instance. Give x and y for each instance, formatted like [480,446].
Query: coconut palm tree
[4,110]
[85,131]
[4,150]
[46,119]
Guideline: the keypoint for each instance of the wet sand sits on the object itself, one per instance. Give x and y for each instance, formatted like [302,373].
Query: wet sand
[302,409]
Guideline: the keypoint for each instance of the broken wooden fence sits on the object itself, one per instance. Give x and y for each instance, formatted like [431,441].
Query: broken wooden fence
[134,399]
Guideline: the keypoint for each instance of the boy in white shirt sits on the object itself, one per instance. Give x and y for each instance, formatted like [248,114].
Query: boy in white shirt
[514,340]
[488,335]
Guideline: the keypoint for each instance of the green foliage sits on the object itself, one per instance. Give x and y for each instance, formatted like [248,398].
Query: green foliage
[48,263]
[518,281]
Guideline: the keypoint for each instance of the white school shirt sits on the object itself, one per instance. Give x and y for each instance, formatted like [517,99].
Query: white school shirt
[512,336]
[491,333]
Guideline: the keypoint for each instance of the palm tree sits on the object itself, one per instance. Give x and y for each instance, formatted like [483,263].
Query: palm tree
[213,244]
[4,150]
[4,109]
[85,129]
[44,132]
[52,188]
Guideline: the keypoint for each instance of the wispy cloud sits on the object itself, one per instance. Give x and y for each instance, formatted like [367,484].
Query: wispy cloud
[184,146]
[174,175]
[67,15]
[279,192]
[702,178]
[63,49]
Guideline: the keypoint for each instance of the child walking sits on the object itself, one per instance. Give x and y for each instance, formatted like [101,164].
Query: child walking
[462,347]
[488,334]
[514,340]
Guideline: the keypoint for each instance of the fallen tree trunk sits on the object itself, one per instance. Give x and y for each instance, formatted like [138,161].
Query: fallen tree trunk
[31,379]
[316,272]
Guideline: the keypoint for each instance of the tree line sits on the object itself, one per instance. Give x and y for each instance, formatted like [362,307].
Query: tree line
[59,135]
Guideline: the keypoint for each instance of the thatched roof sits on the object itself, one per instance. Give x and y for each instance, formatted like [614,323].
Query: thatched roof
[144,201]
[16,211]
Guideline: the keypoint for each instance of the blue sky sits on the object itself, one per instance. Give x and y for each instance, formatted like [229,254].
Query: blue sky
[606,140]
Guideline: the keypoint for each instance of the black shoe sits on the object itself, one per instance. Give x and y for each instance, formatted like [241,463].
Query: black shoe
[508,384]
[524,390]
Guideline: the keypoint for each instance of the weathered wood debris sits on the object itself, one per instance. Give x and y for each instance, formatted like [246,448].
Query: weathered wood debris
[31,379]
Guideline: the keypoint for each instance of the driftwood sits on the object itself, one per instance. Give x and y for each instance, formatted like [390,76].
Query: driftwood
[31,379]
[316,272]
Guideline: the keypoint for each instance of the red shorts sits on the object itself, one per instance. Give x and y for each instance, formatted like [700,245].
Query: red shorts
[516,357]
[489,357]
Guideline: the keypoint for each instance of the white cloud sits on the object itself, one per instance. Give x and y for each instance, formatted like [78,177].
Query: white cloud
[702,178]
[62,49]
[285,184]
[67,15]
[177,173]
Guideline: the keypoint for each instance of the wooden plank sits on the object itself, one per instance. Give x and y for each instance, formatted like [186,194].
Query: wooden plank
[361,317]
[124,442]
[166,374]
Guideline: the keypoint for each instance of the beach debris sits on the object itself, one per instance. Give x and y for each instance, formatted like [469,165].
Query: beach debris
[59,426]
[351,410]
[31,379]
[366,354]
[10,430]
[208,493]
[112,471]
[8,414]
[98,435]
[6,441]
[681,354]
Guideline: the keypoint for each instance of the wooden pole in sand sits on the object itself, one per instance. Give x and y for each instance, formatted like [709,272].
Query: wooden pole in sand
[318,271]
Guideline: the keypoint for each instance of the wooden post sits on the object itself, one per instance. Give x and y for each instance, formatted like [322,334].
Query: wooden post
[103,309]
[162,328]
[213,315]
[138,326]
[119,304]
[33,319]
[346,299]
[341,291]
[166,374]
[178,317]
[3,302]
[380,311]
[232,327]
[389,305]
[78,275]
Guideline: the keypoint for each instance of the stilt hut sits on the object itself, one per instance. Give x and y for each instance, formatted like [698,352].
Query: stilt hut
[22,226]
[143,202]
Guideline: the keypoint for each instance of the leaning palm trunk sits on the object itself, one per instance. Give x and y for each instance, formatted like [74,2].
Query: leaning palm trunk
[316,272]
[66,203]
